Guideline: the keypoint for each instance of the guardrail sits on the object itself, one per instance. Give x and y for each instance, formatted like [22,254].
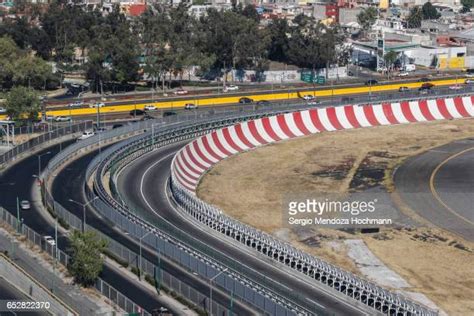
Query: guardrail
[125,219]
[355,287]
[63,258]
[44,138]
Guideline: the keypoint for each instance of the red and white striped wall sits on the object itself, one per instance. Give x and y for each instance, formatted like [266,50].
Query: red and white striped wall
[195,158]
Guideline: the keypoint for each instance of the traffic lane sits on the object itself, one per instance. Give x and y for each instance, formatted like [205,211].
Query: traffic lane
[331,100]
[243,88]
[129,184]
[9,292]
[18,181]
[412,183]
[454,184]
[68,184]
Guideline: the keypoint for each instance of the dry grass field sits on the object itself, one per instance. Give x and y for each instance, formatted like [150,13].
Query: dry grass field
[427,258]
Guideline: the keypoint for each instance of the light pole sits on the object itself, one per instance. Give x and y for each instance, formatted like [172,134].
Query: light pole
[84,205]
[210,289]
[39,162]
[140,256]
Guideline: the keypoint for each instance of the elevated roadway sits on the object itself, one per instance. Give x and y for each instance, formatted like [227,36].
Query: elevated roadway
[232,98]
[143,184]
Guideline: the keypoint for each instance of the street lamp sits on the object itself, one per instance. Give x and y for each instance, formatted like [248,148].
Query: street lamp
[39,162]
[210,289]
[140,257]
[84,205]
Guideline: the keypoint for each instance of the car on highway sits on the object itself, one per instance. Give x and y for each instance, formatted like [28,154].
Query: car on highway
[263,102]
[150,107]
[50,117]
[403,89]
[62,118]
[169,113]
[426,86]
[86,135]
[308,97]
[97,105]
[371,82]
[50,240]
[245,100]
[3,110]
[403,74]
[424,79]
[147,117]
[25,205]
[455,87]
[117,126]
[181,92]
[313,102]
[190,106]
[75,104]
[137,112]
[231,88]
[469,81]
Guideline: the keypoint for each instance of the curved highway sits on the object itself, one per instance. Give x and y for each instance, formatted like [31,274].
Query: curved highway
[143,184]
[439,186]
[69,184]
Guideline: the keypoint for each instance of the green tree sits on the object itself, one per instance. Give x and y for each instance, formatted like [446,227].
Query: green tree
[429,12]
[390,58]
[467,5]
[279,32]
[414,18]
[22,102]
[32,72]
[8,54]
[87,259]
[367,17]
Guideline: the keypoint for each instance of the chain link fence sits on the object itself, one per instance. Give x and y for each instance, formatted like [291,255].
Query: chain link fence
[63,258]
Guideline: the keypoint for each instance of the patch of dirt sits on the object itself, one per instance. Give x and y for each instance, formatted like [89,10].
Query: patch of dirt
[434,262]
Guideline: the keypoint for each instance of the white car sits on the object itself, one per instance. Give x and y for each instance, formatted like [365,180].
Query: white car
[97,105]
[403,74]
[62,118]
[469,81]
[190,106]
[25,205]
[75,104]
[181,92]
[308,97]
[455,87]
[150,108]
[3,110]
[50,117]
[231,88]
[50,240]
[86,135]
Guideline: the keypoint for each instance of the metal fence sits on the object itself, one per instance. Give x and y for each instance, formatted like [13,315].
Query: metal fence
[63,258]
[137,228]
[46,137]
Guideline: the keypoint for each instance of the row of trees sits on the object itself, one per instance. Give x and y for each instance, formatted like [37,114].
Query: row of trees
[170,40]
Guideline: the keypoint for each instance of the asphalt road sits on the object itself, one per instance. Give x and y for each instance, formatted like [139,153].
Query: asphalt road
[143,184]
[10,293]
[68,184]
[439,186]
[18,181]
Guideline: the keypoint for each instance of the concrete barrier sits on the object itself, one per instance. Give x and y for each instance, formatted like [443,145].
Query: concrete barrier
[197,157]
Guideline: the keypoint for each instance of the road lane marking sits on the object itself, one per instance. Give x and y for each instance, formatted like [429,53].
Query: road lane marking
[433,188]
